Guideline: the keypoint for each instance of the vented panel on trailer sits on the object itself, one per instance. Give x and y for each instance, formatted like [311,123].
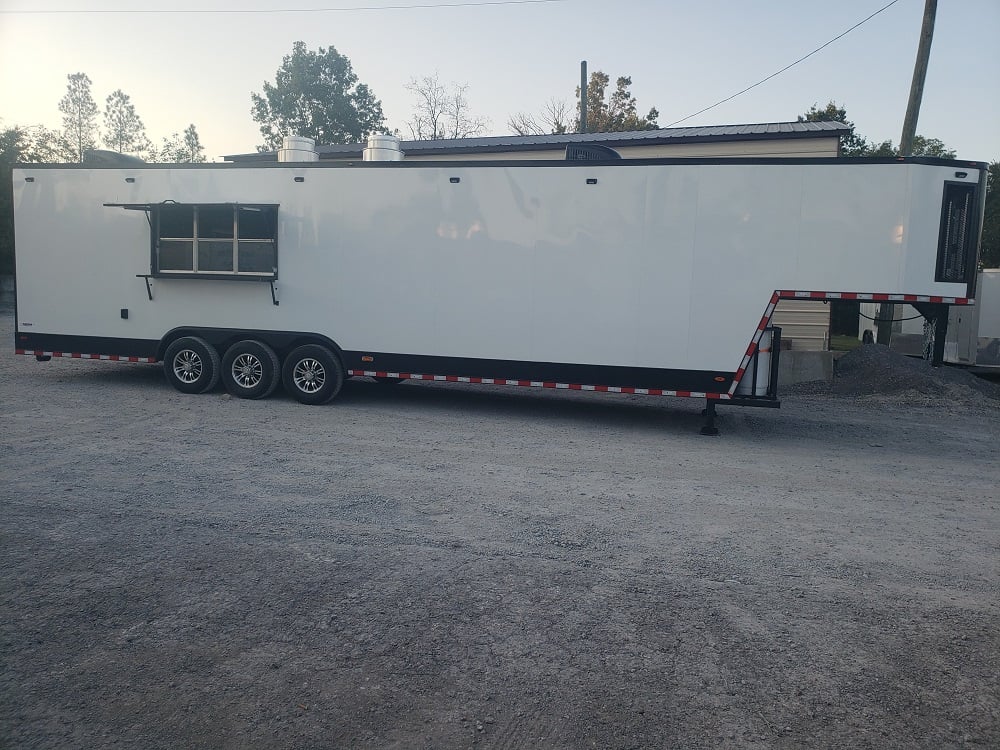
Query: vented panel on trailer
[590,152]
[955,262]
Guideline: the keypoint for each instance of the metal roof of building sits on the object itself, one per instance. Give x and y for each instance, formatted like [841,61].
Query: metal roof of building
[500,143]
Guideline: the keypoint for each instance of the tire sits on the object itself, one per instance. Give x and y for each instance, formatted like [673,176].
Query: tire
[312,374]
[192,365]
[250,369]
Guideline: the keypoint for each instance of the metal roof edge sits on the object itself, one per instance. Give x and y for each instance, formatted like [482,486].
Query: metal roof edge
[525,163]
[510,143]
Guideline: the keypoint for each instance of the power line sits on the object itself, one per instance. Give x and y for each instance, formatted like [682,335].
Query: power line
[791,65]
[231,11]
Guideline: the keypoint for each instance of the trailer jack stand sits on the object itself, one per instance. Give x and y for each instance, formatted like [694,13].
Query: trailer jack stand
[709,427]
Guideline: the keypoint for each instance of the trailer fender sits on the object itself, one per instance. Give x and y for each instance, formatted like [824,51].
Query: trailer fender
[282,342]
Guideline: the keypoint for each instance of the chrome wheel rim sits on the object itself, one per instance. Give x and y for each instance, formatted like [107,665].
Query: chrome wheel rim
[188,366]
[309,375]
[247,371]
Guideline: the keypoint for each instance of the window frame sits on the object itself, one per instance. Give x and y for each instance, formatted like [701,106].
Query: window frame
[194,273]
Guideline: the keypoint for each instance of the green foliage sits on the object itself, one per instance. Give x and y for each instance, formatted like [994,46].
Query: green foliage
[884,149]
[854,144]
[931,147]
[194,152]
[79,116]
[921,147]
[124,131]
[317,95]
[615,113]
[989,249]
[182,149]
[606,113]
[851,144]
[31,145]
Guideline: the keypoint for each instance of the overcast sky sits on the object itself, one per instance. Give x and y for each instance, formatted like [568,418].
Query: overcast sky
[200,67]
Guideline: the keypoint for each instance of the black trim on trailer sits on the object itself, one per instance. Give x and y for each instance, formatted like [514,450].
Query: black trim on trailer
[237,240]
[13,260]
[977,228]
[610,375]
[57,342]
[957,248]
[210,276]
[701,381]
[758,401]
[532,163]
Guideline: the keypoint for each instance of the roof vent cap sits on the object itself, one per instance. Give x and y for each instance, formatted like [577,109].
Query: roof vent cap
[298,148]
[383,148]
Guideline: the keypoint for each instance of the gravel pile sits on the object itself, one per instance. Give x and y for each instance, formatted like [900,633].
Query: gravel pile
[872,370]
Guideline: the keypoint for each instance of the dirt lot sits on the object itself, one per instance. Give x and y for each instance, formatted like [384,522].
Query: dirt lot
[441,566]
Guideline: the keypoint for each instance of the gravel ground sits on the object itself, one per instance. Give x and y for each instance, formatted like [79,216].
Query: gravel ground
[872,369]
[442,566]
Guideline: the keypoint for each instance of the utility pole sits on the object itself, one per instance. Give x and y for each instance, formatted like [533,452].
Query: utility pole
[887,311]
[919,74]
[583,96]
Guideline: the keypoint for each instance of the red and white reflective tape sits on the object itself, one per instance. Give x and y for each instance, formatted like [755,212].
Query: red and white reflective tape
[537,384]
[786,294]
[765,321]
[77,355]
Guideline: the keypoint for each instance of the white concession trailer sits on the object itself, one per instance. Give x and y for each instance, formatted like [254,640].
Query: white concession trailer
[636,276]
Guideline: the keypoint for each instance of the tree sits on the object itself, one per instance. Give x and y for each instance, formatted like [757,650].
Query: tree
[989,250]
[79,114]
[614,113]
[441,111]
[20,145]
[194,152]
[124,131]
[32,145]
[182,149]
[931,147]
[554,120]
[317,95]
[921,147]
[853,144]
[606,113]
